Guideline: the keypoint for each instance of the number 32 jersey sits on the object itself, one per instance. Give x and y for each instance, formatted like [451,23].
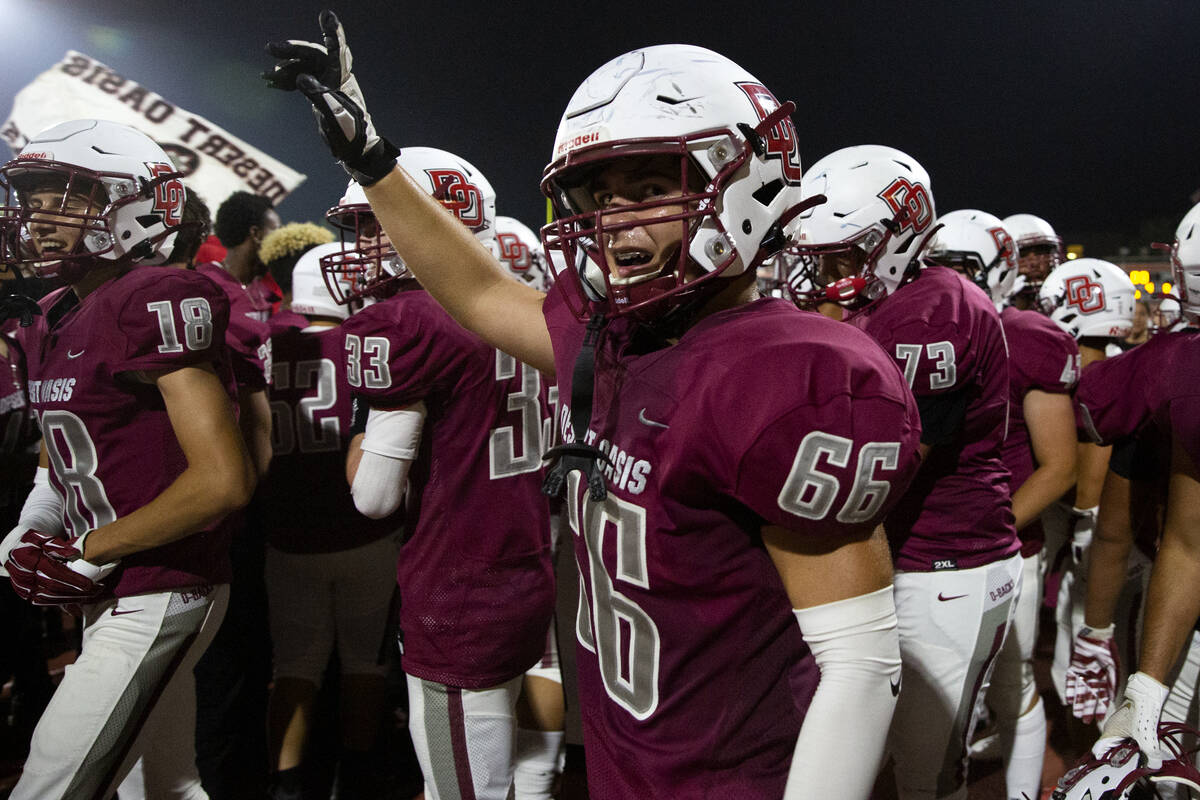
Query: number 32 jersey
[688,650]
[111,445]
[476,584]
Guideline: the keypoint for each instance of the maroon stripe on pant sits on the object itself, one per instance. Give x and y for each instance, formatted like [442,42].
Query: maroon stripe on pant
[458,741]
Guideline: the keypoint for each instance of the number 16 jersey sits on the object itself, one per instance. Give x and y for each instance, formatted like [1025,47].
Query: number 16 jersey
[476,584]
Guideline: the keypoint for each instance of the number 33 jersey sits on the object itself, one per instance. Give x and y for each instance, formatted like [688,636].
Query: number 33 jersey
[111,445]
[690,659]
[476,584]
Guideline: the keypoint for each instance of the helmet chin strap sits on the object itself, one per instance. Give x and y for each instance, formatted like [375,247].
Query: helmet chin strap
[578,454]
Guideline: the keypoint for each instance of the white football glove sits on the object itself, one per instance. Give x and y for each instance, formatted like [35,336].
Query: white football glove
[1137,719]
[1082,522]
[1091,680]
[322,72]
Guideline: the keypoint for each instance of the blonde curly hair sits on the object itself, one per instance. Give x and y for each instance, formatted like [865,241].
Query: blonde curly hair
[292,240]
[282,248]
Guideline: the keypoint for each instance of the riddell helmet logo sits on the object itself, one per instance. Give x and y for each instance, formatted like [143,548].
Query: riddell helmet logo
[514,252]
[910,203]
[1085,294]
[782,141]
[459,195]
[36,156]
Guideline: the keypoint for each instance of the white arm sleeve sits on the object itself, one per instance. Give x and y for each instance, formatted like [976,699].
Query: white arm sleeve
[857,648]
[42,511]
[389,446]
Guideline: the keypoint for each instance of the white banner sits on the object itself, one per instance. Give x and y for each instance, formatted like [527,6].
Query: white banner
[214,162]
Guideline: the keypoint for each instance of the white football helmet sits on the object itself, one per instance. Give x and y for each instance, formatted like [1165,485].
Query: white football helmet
[370,266]
[977,244]
[1119,772]
[738,160]
[520,251]
[1088,297]
[865,240]
[111,183]
[1185,262]
[310,295]
[1039,249]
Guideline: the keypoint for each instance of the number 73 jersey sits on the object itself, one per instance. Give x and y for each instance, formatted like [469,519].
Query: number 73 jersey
[111,445]
[475,577]
[689,655]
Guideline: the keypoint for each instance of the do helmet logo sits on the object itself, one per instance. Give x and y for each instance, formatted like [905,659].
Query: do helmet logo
[1005,246]
[782,141]
[168,195]
[913,200]
[514,251]
[1085,294]
[459,195]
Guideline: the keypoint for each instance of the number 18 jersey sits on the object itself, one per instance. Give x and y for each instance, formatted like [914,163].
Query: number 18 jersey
[111,445]
[476,584]
[690,659]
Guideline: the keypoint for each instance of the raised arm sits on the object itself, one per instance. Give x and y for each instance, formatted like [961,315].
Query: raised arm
[448,261]
[460,273]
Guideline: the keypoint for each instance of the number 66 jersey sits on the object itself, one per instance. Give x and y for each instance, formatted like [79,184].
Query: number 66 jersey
[111,445]
[692,669]
[476,584]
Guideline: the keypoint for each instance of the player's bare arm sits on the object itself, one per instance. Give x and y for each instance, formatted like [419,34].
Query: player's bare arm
[1051,422]
[461,275]
[817,570]
[1173,604]
[219,478]
[255,424]
[1108,556]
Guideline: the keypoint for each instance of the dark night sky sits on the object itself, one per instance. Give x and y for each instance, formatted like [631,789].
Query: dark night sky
[1086,113]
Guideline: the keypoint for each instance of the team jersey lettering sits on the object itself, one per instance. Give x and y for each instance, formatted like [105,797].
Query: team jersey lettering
[196,317]
[74,460]
[375,373]
[942,355]
[503,460]
[810,492]
[1071,370]
[301,425]
[609,619]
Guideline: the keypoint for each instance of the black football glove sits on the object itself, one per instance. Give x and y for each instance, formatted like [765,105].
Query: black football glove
[322,73]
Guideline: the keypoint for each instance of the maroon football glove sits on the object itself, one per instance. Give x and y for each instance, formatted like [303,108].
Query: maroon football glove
[40,572]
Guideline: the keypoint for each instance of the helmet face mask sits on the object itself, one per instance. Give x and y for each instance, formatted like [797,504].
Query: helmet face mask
[729,153]
[1039,251]
[90,192]
[1185,262]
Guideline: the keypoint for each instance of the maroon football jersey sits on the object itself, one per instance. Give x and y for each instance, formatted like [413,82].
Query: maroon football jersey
[18,426]
[305,503]
[1157,383]
[688,653]
[945,334]
[1043,357]
[111,445]
[476,583]
[248,337]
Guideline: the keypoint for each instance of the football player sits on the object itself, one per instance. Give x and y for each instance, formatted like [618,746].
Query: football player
[1039,452]
[726,460]
[1039,250]
[330,571]
[1092,301]
[132,386]
[474,572]
[956,579]
[1144,401]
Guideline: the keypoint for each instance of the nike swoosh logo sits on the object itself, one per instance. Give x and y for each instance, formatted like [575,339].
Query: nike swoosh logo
[943,597]
[75,355]
[642,418]
[895,687]
[117,612]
